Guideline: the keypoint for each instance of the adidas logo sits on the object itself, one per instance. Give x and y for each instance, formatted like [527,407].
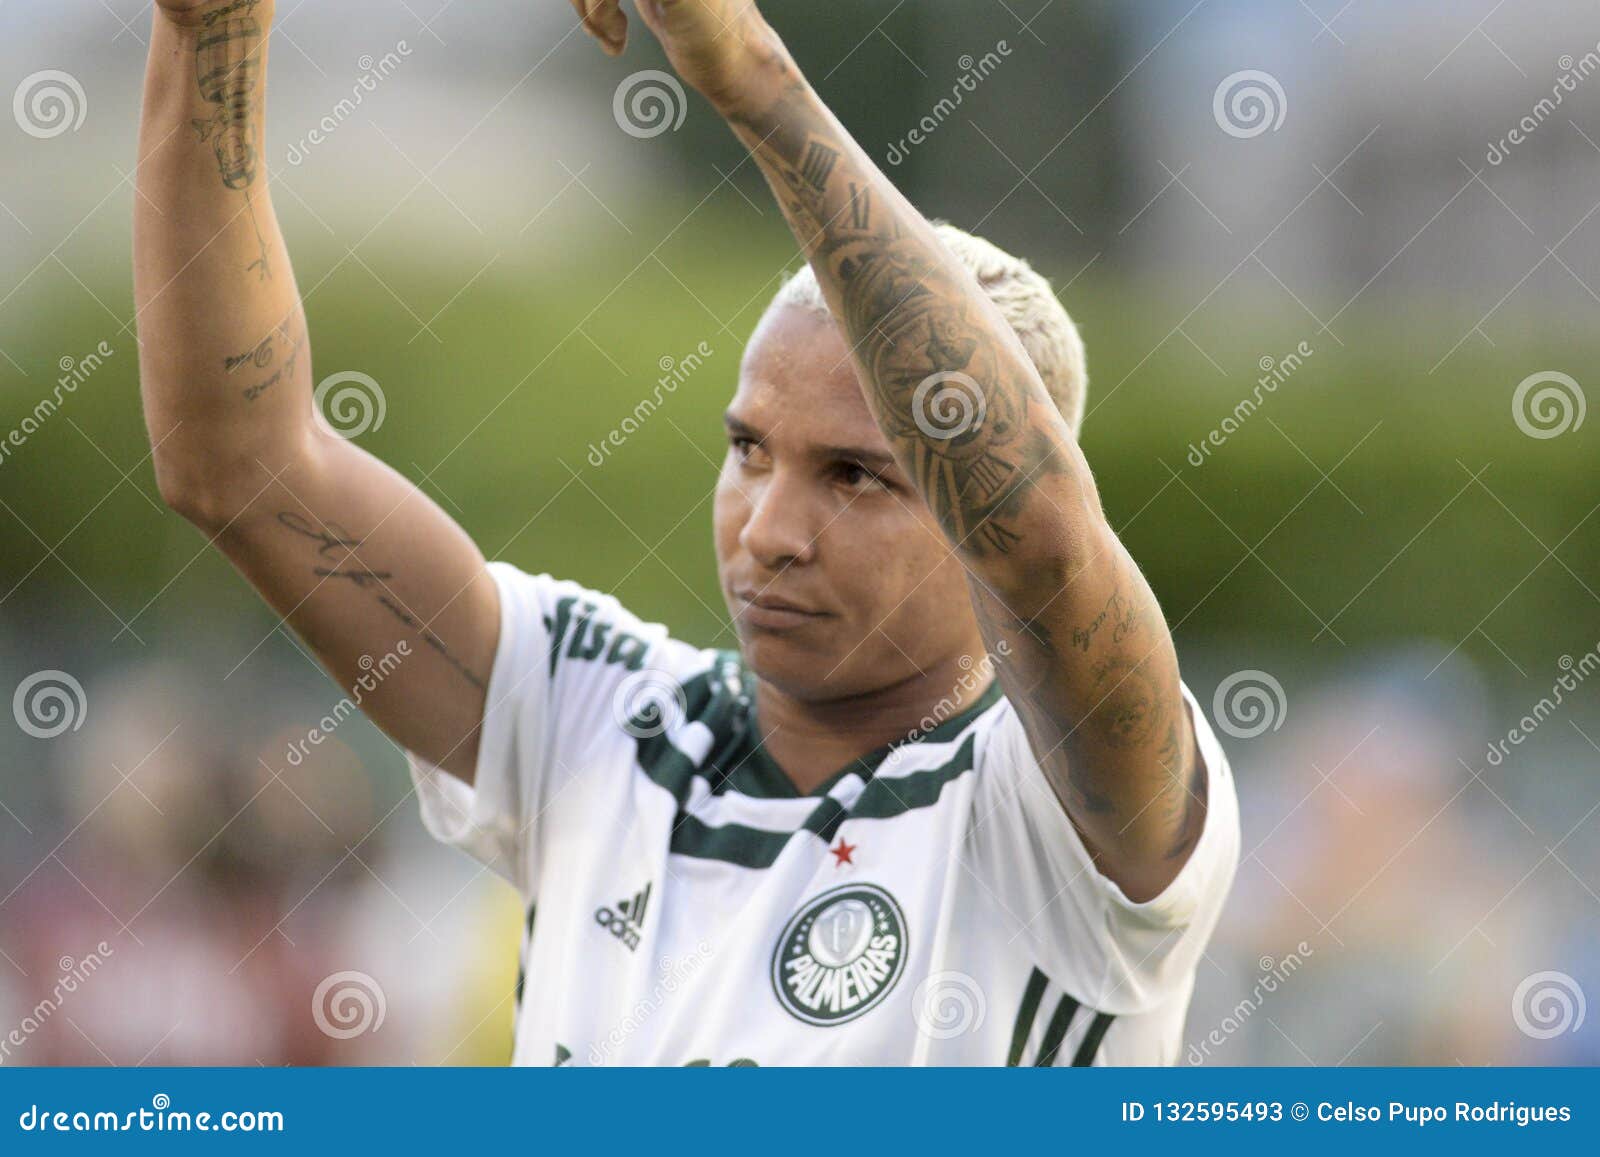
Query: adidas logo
[626,920]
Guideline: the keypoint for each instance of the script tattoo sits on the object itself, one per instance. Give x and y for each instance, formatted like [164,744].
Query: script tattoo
[279,351]
[1118,613]
[336,550]
[228,64]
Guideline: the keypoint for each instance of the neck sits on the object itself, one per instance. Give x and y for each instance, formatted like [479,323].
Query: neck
[812,740]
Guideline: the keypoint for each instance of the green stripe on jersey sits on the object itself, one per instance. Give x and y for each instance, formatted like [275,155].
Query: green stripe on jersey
[722,699]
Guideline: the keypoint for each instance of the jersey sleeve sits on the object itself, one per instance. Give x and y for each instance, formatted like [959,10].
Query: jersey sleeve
[563,654]
[1114,954]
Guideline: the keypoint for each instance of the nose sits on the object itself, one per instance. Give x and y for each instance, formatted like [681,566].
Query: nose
[782,527]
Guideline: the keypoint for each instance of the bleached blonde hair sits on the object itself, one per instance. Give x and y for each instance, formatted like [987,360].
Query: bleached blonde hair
[1024,298]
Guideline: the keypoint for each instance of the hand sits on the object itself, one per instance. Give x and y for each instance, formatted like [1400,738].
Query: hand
[722,48]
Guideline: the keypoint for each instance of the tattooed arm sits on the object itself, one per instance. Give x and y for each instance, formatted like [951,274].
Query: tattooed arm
[1092,668]
[357,560]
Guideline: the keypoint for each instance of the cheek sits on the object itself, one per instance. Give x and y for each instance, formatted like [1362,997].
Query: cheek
[922,585]
[730,510]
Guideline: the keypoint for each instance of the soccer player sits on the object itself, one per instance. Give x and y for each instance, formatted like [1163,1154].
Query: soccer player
[948,803]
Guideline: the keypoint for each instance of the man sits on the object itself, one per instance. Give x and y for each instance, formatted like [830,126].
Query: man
[948,804]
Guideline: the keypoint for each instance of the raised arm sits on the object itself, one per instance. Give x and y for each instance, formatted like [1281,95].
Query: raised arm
[1091,666]
[366,569]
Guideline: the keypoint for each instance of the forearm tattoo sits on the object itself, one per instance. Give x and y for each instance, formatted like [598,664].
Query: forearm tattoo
[335,558]
[950,395]
[270,361]
[228,58]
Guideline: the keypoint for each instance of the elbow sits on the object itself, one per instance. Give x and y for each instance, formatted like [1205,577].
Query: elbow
[194,491]
[212,482]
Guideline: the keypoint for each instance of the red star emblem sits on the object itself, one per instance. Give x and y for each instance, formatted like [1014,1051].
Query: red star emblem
[842,853]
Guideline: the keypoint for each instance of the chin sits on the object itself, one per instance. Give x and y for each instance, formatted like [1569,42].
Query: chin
[799,670]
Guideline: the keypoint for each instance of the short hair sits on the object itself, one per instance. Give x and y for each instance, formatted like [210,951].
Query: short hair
[1025,299]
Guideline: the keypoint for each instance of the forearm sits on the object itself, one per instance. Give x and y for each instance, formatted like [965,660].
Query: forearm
[225,363]
[949,383]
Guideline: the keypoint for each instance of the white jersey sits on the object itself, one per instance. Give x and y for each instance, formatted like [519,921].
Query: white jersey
[929,905]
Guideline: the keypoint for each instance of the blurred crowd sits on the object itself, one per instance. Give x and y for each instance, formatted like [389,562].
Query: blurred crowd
[203,888]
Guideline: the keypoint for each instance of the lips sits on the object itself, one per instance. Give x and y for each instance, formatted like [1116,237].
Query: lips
[767,611]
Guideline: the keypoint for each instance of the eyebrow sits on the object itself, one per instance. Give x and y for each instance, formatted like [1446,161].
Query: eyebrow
[873,459]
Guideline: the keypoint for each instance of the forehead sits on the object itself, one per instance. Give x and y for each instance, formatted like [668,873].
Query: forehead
[798,384]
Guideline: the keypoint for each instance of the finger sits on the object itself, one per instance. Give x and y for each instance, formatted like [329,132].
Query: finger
[613,25]
[592,15]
